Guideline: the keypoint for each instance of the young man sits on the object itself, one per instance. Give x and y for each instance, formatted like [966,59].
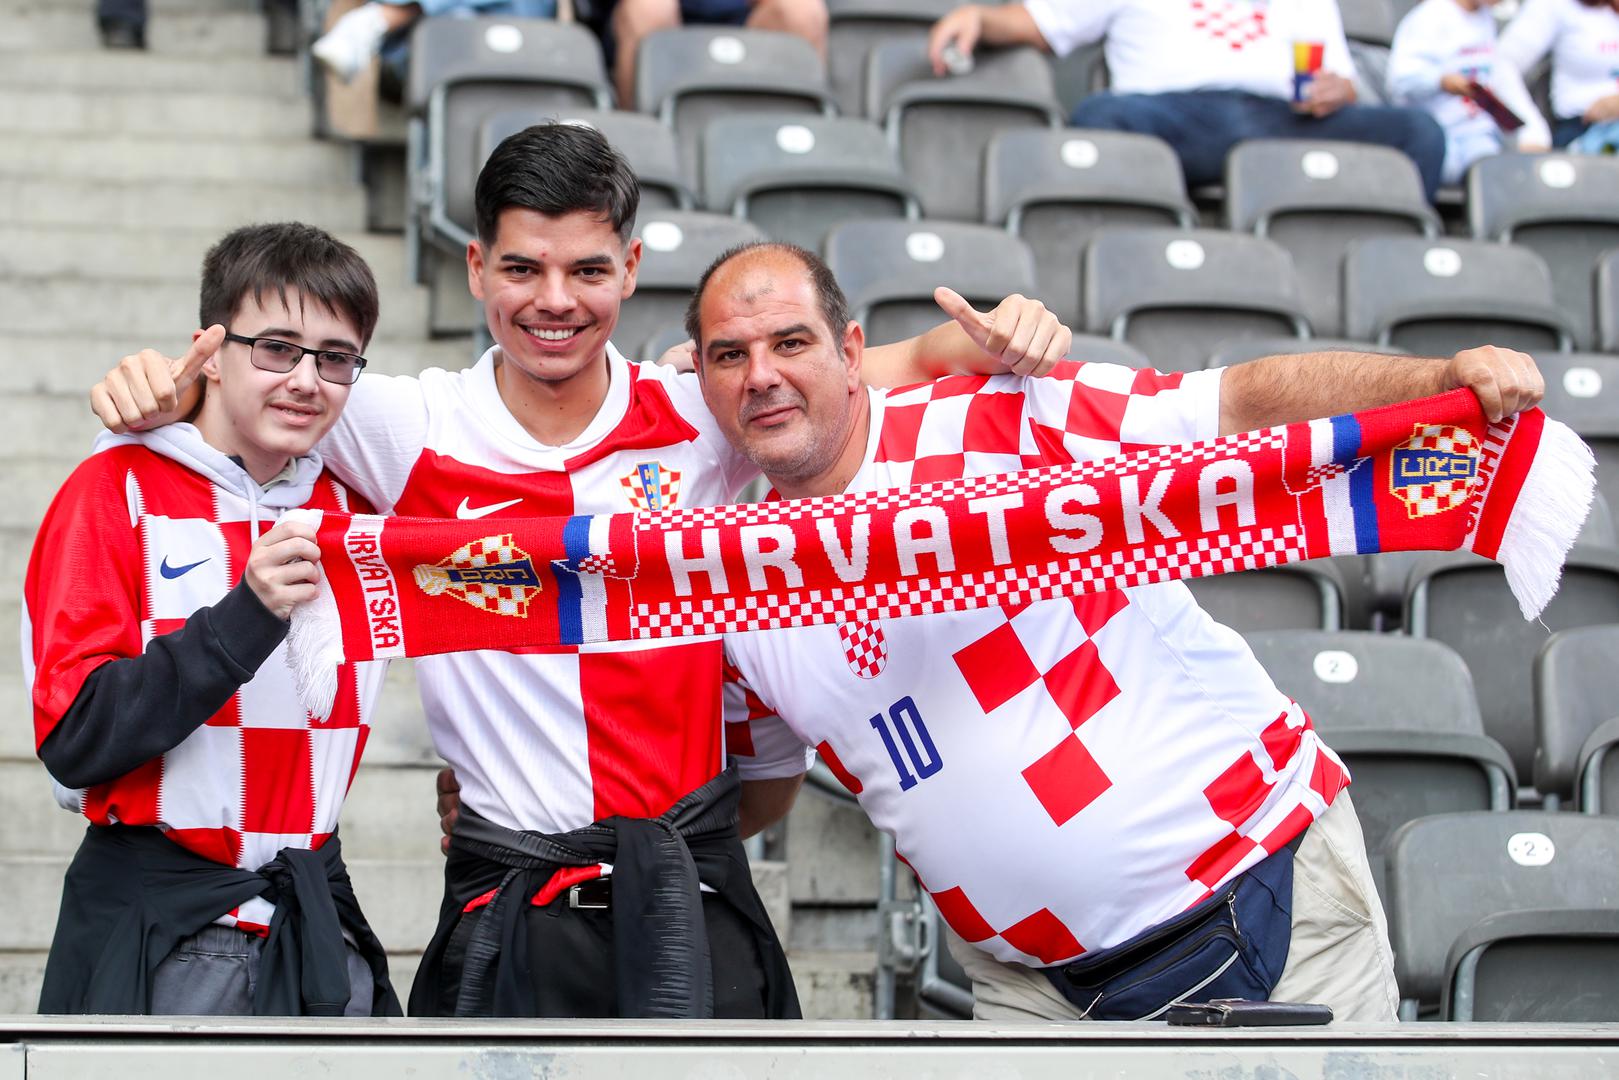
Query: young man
[210,880]
[567,755]
[1070,776]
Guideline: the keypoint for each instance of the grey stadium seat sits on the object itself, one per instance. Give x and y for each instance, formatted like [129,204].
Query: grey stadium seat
[855,27]
[797,176]
[690,75]
[1371,21]
[461,72]
[1303,596]
[1240,352]
[889,270]
[1055,189]
[941,126]
[1435,298]
[647,145]
[1563,207]
[1174,293]
[1576,681]
[1104,350]
[1314,199]
[676,247]
[1403,715]
[1508,917]
[1463,601]
[1607,284]
[1598,770]
[662,341]
[1582,390]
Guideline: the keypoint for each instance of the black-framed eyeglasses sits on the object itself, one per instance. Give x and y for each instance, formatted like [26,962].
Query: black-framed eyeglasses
[273,354]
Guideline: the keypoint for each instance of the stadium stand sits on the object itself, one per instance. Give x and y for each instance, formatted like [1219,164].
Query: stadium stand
[1560,206]
[889,270]
[856,27]
[1402,714]
[941,126]
[462,71]
[1302,596]
[1576,687]
[646,144]
[1607,285]
[1463,601]
[1171,293]
[1582,390]
[1315,199]
[676,247]
[1507,917]
[1105,350]
[1436,298]
[1599,770]
[1055,189]
[662,341]
[797,176]
[1369,29]
[690,75]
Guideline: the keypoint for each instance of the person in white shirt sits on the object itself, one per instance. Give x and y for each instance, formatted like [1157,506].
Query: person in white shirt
[1583,39]
[1441,48]
[1204,74]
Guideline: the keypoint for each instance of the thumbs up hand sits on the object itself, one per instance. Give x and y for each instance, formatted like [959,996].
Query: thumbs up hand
[1020,334]
[145,389]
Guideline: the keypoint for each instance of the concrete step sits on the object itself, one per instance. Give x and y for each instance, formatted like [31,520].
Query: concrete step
[834,985]
[189,32]
[201,112]
[119,70]
[21,975]
[332,205]
[832,851]
[164,310]
[17,727]
[33,824]
[36,480]
[136,253]
[293,160]
[57,363]
[46,426]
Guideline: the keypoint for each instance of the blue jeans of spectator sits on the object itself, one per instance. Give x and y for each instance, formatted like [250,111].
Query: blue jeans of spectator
[1565,129]
[396,50]
[132,12]
[1203,125]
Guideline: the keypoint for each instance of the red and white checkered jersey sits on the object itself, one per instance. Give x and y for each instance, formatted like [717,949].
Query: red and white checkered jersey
[1063,775]
[554,739]
[142,542]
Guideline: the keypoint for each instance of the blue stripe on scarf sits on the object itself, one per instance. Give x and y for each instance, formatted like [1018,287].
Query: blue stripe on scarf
[570,598]
[1362,497]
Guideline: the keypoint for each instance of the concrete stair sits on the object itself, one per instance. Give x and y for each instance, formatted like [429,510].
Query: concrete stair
[119,170]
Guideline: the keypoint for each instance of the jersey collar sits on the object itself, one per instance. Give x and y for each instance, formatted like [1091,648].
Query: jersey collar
[485,395]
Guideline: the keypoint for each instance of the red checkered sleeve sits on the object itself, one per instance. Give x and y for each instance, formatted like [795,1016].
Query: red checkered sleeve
[1085,411]
[758,741]
[80,597]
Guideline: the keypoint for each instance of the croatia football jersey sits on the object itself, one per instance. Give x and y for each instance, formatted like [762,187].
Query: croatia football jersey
[553,739]
[1065,774]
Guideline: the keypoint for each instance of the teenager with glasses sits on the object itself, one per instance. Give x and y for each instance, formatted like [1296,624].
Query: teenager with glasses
[210,880]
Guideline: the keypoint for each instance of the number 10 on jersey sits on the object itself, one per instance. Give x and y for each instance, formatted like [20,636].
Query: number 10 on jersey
[920,758]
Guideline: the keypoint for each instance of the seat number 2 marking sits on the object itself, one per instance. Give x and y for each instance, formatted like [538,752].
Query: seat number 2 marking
[920,758]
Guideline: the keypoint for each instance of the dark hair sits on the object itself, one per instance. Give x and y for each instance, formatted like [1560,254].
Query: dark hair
[257,259]
[828,293]
[556,168]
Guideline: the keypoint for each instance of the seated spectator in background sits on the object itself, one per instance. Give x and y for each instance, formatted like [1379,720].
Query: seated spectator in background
[357,38]
[632,20]
[1583,38]
[1204,74]
[122,23]
[210,880]
[1444,47]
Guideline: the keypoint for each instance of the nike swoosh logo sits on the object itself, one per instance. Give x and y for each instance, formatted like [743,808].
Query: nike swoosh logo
[175,571]
[472,512]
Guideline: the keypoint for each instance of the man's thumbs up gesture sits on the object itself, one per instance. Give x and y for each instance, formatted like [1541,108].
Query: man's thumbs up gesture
[1021,334]
[144,390]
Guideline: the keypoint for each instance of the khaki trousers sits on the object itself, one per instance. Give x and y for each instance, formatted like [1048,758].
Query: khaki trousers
[1339,954]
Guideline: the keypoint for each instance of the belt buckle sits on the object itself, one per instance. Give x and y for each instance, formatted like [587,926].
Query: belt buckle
[578,902]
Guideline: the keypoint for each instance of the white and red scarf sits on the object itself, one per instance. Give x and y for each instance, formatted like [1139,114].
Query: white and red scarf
[1432,474]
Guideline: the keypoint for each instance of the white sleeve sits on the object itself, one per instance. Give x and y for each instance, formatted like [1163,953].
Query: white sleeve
[758,741]
[376,442]
[1508,86]
[1068,24]
[1416,62]
[1094,410]
[1530,35]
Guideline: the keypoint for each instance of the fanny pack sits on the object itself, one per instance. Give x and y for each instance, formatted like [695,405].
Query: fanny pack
[1233,945]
